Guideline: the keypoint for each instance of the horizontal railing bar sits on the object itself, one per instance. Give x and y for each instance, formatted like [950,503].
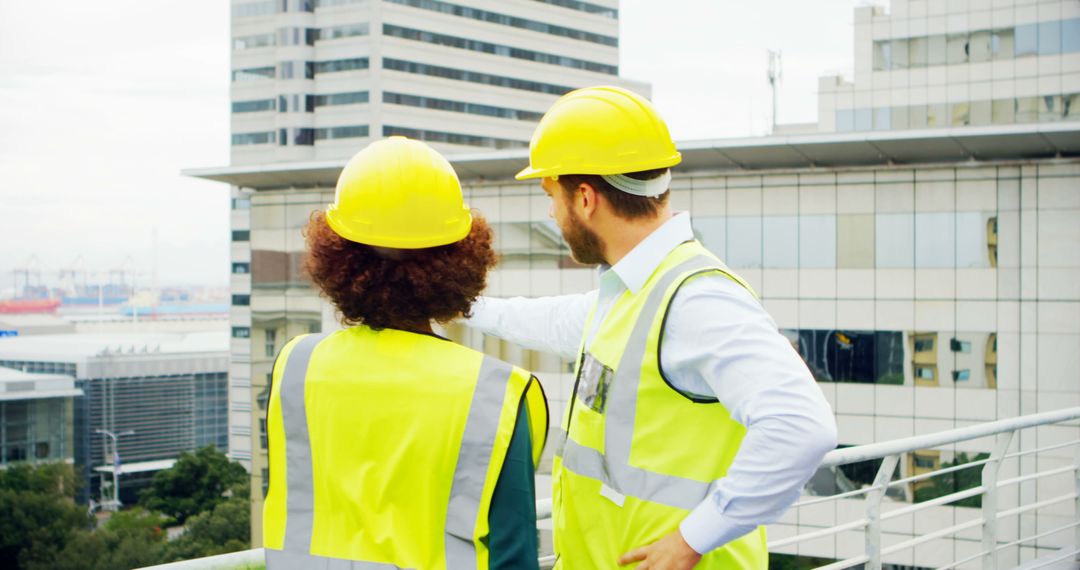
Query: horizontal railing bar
[930,441]
[1035,506]
[1042,449]
[1040,535]
[818,533]
[928,537]
[1058,558]
[849,563]
[944,499]
[845,495]
[932,474]
[543,509]
[1022,478]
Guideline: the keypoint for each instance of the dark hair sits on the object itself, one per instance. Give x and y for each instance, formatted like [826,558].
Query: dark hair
[627,206]
[433,284]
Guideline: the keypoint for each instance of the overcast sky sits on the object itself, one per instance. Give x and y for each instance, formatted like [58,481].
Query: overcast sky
[102,105]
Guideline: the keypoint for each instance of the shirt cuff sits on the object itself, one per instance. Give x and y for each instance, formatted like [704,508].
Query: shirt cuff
[706,528]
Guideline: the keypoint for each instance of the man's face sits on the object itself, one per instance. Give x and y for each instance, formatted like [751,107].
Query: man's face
[585,245]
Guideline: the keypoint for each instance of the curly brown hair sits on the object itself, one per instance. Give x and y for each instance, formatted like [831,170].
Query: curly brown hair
[419,286]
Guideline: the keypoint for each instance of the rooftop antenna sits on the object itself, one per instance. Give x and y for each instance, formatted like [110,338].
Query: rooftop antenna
[775,75]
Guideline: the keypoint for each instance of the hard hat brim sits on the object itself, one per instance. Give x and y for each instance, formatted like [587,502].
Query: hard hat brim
[529,172]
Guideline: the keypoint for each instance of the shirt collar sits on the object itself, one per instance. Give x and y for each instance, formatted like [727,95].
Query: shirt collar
[635,268]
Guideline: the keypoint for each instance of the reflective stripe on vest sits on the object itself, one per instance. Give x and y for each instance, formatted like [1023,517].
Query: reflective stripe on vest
[469,478]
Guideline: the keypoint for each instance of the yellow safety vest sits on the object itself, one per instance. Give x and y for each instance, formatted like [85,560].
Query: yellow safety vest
[636,456]
[385,447]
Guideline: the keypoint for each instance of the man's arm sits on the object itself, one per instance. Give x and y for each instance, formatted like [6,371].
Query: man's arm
[720,342]
[548,324]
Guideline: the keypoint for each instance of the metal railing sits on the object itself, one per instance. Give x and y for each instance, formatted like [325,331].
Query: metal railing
[890,453]
[870,524]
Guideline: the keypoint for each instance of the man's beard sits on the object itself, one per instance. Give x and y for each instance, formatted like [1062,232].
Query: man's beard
[585,246]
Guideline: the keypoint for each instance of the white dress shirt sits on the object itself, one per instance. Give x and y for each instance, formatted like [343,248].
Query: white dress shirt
[719,342]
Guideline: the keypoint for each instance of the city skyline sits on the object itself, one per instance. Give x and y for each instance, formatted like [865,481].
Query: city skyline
[154,100]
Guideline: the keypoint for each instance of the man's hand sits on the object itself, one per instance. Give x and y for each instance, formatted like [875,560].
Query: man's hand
[668,553]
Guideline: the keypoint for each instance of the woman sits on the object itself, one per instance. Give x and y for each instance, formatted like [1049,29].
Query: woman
[389,445]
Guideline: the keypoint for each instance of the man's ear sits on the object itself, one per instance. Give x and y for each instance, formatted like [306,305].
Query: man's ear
[588,198]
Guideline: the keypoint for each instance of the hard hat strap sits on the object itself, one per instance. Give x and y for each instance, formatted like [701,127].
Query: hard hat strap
[647,188]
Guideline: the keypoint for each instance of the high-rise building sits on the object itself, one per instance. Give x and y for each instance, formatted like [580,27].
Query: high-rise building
[313,81]
[933,64]
[927,276]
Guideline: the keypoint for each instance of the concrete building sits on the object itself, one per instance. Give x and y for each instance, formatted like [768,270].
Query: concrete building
[36,416]
[934,63]
[928,276]
[169,389]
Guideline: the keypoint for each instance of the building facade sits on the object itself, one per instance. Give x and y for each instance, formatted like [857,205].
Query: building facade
[934,63]
[36,416]
[170,390]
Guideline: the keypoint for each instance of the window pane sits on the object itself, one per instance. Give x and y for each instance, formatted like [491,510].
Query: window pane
[980,46]
[855,241]
[863,120]
[980,113]
[817,241]
[845,120]
[1002,43]
[781,247]
[1027,40]
[917,116]
[900,54]
[1071,107]
[1049,108]
[899,118]
[1027,109]
[971,239]
[1050,37]
[894,240]
[744,241]
[960,114]
[958,49]
[935,239]
[1004,111]
[937,115]
[1070,36]
[882,55]
[936,50]
[881,119]
[712,232]
[917,52]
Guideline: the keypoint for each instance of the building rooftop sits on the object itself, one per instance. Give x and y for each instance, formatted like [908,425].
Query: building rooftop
[926,146]
[19,385]
[83,346]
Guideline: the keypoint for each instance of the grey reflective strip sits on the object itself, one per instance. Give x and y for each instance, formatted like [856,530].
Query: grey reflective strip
[613,466]
[291,560]
[300,498]
[659,488]
[473,462]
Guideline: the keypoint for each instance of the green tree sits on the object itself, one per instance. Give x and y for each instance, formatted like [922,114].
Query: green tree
[37,511]
[198,482]
[129,539]
[961,480]
[225,529]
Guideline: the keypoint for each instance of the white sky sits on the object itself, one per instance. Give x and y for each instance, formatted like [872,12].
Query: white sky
[102,105]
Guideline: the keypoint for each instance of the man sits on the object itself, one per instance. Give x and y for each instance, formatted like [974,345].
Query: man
[693,421]
[391,447]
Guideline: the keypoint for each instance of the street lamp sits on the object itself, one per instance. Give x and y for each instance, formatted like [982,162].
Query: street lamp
[115,503]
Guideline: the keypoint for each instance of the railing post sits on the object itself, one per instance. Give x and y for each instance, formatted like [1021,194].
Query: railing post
[990,500]
[1076,501]
[873,511]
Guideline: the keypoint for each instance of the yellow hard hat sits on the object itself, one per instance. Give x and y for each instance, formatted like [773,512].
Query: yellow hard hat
[600,130]
[399,193]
